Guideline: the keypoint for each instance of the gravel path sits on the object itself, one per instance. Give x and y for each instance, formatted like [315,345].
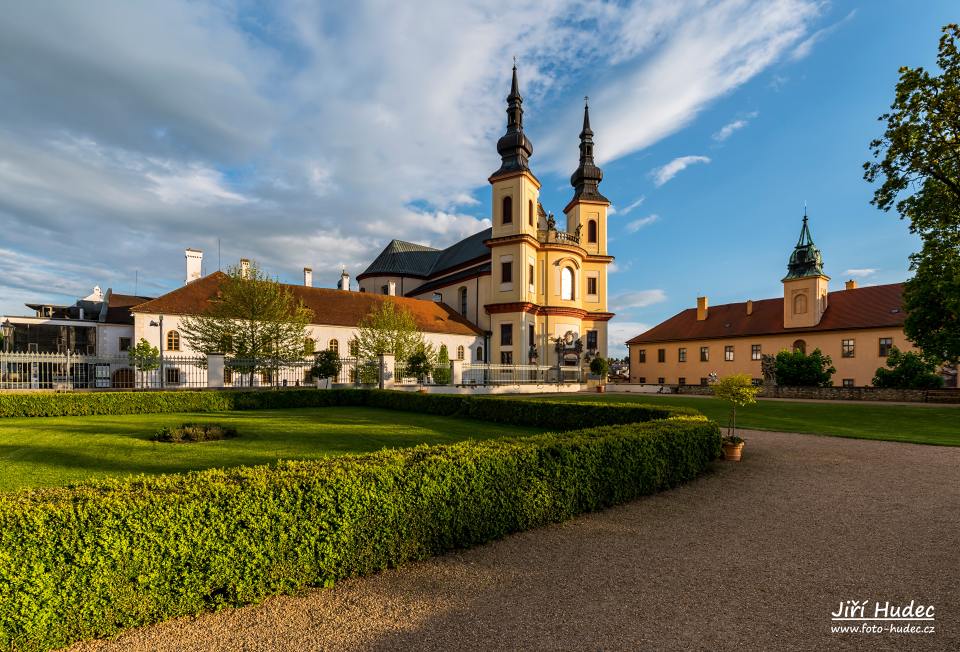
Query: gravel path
[753,556]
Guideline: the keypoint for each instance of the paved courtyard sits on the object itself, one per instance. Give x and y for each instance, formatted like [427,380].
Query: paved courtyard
[753,556]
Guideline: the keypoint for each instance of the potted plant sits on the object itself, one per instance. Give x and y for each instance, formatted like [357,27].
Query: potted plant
[737,390]
[419,366]
[600,367]
[326,365]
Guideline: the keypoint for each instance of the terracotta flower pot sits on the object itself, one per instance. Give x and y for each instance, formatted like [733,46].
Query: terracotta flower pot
[601,389]
[732,452]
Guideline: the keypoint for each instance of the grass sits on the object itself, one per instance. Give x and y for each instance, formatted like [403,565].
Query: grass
[919,424]
[38,452]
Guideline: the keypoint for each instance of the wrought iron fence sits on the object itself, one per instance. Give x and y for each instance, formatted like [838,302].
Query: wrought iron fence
[66,371]
[501,374]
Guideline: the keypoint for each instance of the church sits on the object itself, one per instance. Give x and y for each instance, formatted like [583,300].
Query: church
[536,287]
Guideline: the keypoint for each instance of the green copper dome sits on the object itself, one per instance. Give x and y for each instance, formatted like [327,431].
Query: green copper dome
[806,259]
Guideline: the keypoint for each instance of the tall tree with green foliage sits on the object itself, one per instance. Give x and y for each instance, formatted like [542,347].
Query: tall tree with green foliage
[917,162]
[907,370]
[144,357]
[390,329]
[255,318]
[797,369]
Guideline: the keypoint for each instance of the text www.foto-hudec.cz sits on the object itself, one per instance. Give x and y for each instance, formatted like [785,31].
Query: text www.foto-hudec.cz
[876,617]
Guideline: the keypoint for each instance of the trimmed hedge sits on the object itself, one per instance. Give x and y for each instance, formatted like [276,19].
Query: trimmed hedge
[550,415]
[88,561]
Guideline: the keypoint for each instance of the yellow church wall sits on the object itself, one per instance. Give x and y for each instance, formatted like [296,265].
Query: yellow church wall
[860,368]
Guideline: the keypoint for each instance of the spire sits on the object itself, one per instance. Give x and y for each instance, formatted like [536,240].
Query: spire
[587,176]
[514,147]
[805,259]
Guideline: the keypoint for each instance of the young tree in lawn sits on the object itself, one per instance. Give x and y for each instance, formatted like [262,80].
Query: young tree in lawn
[390,329]
[907,370]
[917,161]
[736,390]
[255,318]
[144,357]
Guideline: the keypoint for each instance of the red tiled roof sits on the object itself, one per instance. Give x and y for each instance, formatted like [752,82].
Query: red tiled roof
[875,306]
[330,307]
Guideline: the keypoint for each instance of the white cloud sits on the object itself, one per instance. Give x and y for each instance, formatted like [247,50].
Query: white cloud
[727,130]
[666,172]
[629,207]
[619,332]
[195,185]
[860,273]
[806,46]
[637,299]
[636,225]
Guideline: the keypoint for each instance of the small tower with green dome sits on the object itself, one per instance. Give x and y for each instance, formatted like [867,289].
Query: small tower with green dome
[805,287]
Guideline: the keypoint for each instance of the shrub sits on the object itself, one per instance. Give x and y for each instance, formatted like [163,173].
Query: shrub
[797,369]
[326,364]
[907,370]
[737,390]
[191,432]
[600,367]
[87,561]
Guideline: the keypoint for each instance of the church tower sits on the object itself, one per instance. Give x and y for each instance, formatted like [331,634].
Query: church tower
[587,211]
[805,287]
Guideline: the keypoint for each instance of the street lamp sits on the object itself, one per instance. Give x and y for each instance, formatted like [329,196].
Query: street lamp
[159,325]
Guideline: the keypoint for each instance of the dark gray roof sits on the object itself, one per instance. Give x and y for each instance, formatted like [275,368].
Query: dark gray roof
[407,259]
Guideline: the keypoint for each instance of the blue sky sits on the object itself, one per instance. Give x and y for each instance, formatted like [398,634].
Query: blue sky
[308,135]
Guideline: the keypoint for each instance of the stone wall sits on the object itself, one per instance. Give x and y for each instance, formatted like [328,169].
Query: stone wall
[844,393]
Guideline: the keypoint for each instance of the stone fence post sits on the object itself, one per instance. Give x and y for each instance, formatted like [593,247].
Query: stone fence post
[456,372]
[387,364]
[215,366]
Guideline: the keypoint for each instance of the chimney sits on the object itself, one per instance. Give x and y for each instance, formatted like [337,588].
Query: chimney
[701,308]
[194,264]
[244,268]
[850,285]
[344,280]
[307,277]
[749,306]
[392,288]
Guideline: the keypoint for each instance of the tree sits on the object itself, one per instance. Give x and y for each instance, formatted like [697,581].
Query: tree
[144,357]
[796,369]
[441,370]
[254,317]
[907,370]
[326,364]
[419,365]
[738,391]
[389,329]
[917,161]
[600,367]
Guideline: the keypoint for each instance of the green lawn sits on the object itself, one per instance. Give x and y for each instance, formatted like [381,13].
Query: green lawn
[920,424]
[37,452]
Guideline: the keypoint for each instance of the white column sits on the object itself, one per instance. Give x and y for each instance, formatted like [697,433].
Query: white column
[386,370]
[456,372]
[215,366]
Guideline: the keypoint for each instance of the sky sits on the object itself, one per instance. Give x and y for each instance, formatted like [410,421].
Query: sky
[305,133]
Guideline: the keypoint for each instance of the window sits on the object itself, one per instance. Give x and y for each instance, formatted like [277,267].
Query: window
[592,341]
[531,275]
[642,355]
[309,346]
[354,348]
[592,231]
[847,348]
[848,382]
[463,301]
[460,352]
[682,380]
[642,380]
[384,289]
[531,335]
[800,346]
[506,357]
[800,304]
[566,284]
[681,355]
[530,212]
[704,354]
[704,381]
[506,272]
[886,343]
[507,210]
[661,355]
[591,285]
[173,341]
[506,334]
[661,380]
[479,353]
[728,353]
[755,353]
[227,376]
[335,346]
[173,376]
[124,344]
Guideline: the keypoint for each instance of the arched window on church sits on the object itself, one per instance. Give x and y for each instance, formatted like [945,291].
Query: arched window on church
[309,346]
[479,354]
[173,341]
[566,284]
[334,346]
[530,212]
[592,231]
[800,346]
[507,210]
[460,352]
[800,304]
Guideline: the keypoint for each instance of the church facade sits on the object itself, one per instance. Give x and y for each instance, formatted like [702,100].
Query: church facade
[536,287]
